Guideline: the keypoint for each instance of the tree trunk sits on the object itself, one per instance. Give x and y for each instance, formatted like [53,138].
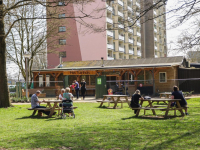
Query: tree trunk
[4,95]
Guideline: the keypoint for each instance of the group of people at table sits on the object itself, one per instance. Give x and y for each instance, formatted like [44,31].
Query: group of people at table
[65,95]
[136,97]
[176,94]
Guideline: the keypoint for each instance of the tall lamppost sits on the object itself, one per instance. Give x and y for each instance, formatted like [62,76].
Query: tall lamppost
[27,57]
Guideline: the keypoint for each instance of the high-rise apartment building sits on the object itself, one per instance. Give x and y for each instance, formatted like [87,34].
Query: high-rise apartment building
[124,35]
[153,30]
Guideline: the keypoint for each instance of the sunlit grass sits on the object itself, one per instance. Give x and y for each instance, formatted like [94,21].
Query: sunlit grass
[99,128]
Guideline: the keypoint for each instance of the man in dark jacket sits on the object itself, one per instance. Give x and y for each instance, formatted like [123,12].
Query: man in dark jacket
[179,95]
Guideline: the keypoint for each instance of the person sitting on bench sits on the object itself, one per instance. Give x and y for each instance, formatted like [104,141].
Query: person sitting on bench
[35,103]
[135,100]
[179,95]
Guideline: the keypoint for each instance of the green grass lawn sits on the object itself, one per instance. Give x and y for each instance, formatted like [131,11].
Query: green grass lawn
[100,128]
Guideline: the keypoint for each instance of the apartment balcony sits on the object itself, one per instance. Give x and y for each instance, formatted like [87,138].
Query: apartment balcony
[155,39]
[154,12]
[137,4]
[138,24]
[138,34]
[130,30]
[139,53]
[109,20]
[121,26]
[110,46]
[139,44]
[121,49]
[110,58]
[110,33]
[137,14]
[130,19]
[156,48]
[121,37]
[120,14]
[155,30]
[130,41]
[130,9]
[154,20]
[109,8]
[120,2]
[131,51]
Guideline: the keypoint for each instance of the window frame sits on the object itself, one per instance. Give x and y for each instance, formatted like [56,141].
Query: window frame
[165,77]
[60,16]
[60,3]
[61,28]
[60,41]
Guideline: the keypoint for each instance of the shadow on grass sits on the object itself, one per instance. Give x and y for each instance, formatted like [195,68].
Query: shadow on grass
[106,107]
[150,117]
[38,117]
[173,141]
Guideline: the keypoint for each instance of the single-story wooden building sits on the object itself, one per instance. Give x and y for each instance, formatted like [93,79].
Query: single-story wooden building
[150,75]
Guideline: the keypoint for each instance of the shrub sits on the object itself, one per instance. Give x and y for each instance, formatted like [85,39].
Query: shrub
[12,89]
[12,94]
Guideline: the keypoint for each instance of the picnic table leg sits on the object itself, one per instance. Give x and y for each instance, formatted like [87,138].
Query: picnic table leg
[150,104]
[102,101]
[127,101]
[179,106]
[169,105]
[115,102]
[52,109]
[34,112]
[138,111]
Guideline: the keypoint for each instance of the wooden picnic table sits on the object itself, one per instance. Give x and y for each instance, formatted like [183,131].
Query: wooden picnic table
[114,99]
[167,108]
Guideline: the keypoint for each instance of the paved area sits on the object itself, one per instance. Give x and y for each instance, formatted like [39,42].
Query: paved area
[89,99]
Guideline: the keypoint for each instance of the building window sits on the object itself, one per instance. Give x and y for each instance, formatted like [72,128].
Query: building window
[62,42]
[47,80]
[61,4]
[62,29]
[162,77]
[61,15]
[40,80]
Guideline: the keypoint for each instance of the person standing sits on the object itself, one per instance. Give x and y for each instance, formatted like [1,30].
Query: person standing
[83,88]
[76,85]
[179,95]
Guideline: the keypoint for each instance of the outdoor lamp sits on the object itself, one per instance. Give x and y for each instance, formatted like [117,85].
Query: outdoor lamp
[26,56]
[102,62]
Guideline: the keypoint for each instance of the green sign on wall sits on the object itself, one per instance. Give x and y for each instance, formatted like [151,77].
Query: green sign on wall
[98,80]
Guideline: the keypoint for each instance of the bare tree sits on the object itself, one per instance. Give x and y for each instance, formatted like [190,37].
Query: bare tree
[30,36]
[11,10]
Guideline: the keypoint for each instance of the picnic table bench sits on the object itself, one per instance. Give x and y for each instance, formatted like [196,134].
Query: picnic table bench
[49,107]
[157,107]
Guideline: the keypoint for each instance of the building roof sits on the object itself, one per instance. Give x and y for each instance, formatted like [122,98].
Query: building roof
[121,63]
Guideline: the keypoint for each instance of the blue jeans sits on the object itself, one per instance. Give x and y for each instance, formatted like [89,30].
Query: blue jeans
[45,112]
[77,93]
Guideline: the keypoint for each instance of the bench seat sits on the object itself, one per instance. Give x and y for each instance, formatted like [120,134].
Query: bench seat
[148,108]
[47,109]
